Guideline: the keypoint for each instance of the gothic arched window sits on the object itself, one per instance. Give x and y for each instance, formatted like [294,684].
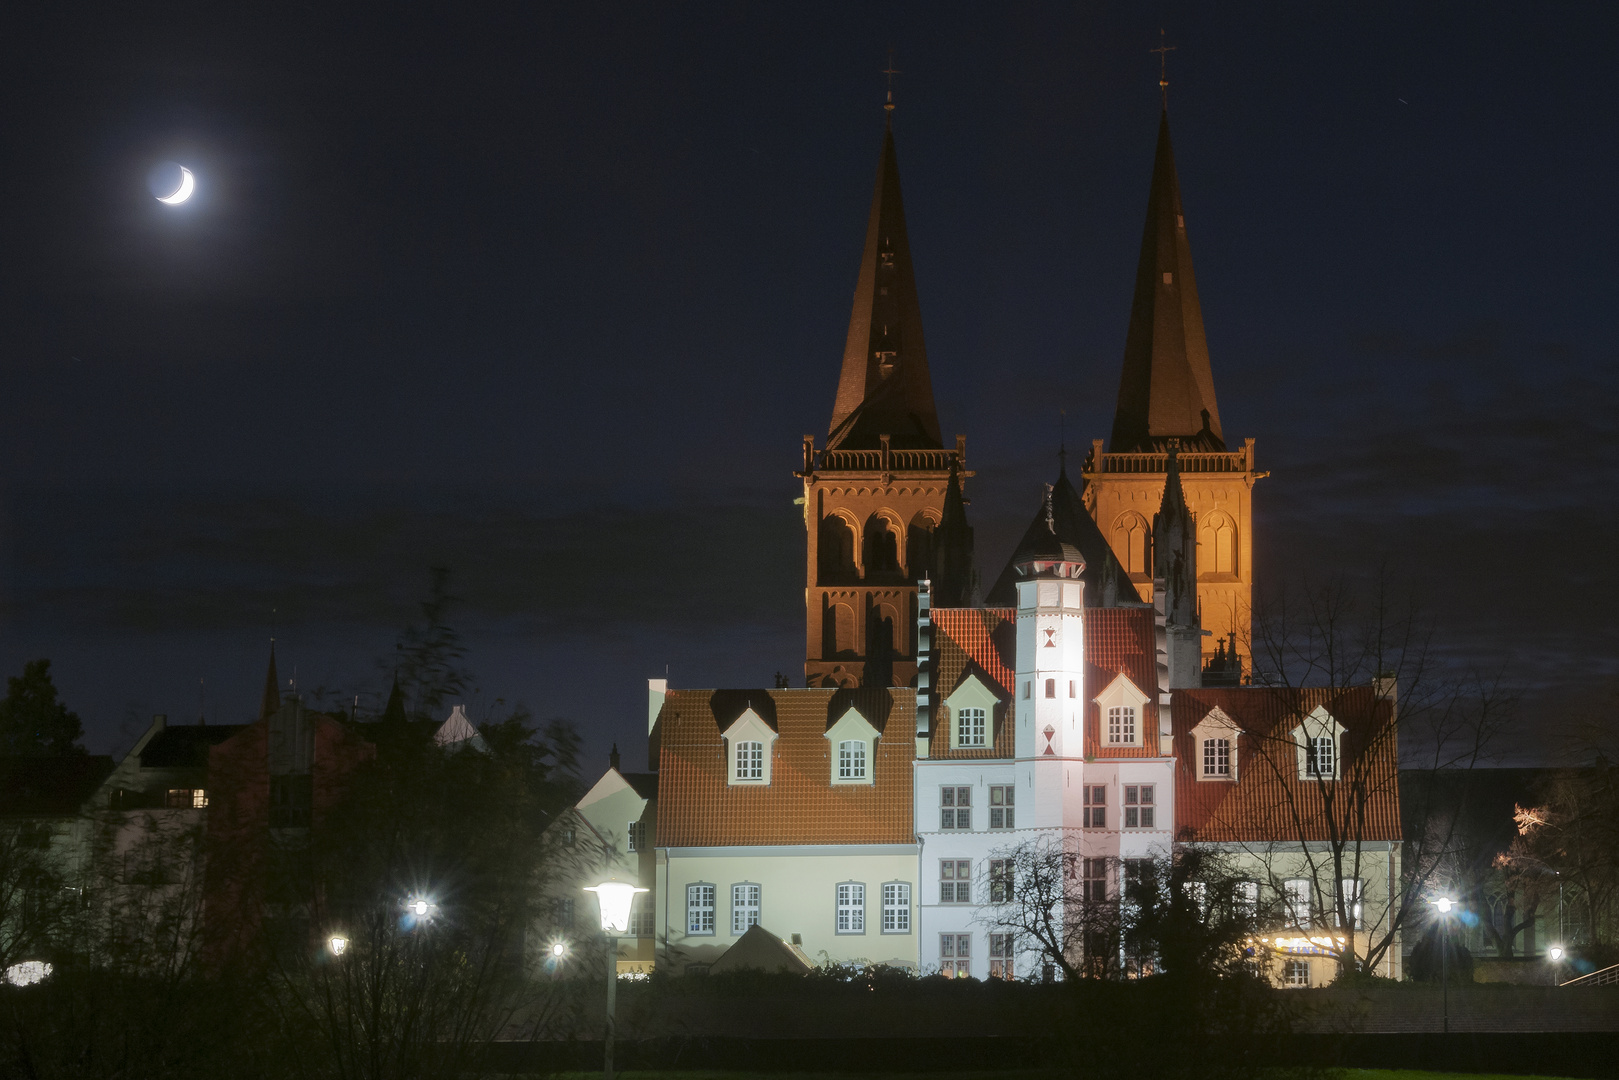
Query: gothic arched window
[919,549]
[1132,542]
[882,547]
[836,549]
[1217,544]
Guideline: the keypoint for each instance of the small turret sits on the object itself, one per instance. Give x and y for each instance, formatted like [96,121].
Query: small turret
[1174,574]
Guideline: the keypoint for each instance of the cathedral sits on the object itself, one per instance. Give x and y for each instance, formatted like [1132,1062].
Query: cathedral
[1095,696]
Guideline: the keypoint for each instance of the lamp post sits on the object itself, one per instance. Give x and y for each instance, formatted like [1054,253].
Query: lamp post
[1444,904]
[614,899]
[1555,954]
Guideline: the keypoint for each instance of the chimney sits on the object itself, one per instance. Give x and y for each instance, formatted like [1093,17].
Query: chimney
[160,721]
[612,758]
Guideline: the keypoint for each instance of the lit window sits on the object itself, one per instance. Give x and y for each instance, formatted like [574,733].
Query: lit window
[1139,808]
[1000,956]
[1296,973]
[1000,881]
[1352,891]
[972,726]
[1121,725]
[1319,756]
[897,908]
[1247,898]
[1296,897]
[1095,809]
[643,917]
[1000,806]
[955,808]
[852,759]
[699,909]
[851,908]
[955,955]
[955,881]
[744,907]
[750,761]
[1217,757]
[187,799]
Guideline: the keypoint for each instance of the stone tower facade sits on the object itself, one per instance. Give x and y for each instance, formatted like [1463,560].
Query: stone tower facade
[875,492]
[1166,392]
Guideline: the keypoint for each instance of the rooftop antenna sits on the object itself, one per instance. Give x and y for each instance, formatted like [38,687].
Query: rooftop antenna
[890,71]
[202,702]
[1163,50]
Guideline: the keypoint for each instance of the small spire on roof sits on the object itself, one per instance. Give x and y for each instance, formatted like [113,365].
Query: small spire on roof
[271,701]
[890,71]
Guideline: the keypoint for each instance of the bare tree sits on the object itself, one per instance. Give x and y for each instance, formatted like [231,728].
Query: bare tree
[1365,661]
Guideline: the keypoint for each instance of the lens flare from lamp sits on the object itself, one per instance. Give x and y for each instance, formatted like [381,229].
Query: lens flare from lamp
[559,949]
[1555,952]
[1444,904]
[420,908]
[615,898]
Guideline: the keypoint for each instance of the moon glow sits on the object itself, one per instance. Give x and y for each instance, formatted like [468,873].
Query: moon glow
[183,192]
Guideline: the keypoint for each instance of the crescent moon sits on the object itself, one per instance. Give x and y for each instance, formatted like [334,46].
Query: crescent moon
[183,192]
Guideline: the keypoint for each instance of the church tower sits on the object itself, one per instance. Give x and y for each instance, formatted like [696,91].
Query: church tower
[875,494]
[1166,395]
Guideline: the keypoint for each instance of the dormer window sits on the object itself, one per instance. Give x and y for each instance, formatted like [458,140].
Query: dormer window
[1214,745]
[750,761]
[851,760]
[971,710]
[1122,707]
[1320,756]
[749,740]
[852,746]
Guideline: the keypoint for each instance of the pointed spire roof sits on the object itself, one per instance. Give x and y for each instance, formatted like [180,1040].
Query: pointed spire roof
[1107,584]
[1167,388]
[884,388]
[1172,509]
[953,576]
[270,704]
[394,712]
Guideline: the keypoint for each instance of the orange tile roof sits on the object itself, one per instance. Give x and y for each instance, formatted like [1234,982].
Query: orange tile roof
[1268,801]
[983,641]
[973,641]
[800,805]
[1121,641]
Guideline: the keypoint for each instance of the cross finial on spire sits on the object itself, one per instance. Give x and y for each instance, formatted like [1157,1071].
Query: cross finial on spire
[1163,50]
[890,71]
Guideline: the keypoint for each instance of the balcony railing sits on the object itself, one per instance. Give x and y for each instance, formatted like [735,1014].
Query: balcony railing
[886,460]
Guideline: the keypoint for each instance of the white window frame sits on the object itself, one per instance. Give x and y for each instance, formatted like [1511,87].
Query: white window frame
[958,954]
[1142,809]
[1121,693]
[740,911]
[1320,724]
[750,761]
[1296,973]
[749,728]
[1353,892]
[896,907]
[971,693]
[852,764]
[955,806]
[1296,902]
[960,873]
[1246,896]
[851,727]
[1214,726]
[1002,951]
[1094,813]
[849,908]
[695,908]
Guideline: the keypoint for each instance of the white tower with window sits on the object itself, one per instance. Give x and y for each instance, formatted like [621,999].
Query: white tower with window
[1050,707]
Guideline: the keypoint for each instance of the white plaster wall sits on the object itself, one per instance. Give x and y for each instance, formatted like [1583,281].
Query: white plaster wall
[798,895]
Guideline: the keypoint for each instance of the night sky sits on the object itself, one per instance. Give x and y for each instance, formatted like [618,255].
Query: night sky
[550,295]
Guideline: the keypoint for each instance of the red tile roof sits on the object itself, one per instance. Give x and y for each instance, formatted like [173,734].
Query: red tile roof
[1121,641]
[973,641]
[800,805]
[1268,801]
[983,641]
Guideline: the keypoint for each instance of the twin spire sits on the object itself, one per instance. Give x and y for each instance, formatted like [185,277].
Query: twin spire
[1166,390]
[885,388]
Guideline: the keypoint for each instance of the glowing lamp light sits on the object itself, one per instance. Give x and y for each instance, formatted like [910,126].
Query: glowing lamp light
[559,949]
[421,907]
[1555,952]
[28,972]
[338,944]
[615,898]
[1444,904]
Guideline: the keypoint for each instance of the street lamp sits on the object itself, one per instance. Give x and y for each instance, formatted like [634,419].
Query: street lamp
[1555,953]
[1444,904]
[338,944]
[614,899]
